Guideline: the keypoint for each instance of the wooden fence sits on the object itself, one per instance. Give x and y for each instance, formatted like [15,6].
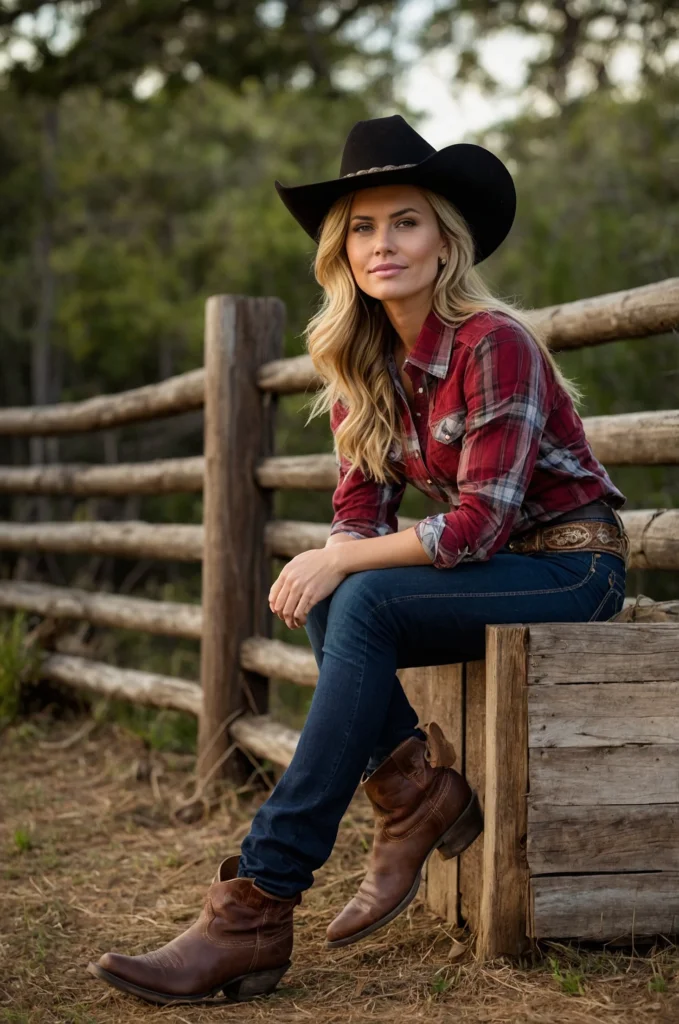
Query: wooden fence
[243,376]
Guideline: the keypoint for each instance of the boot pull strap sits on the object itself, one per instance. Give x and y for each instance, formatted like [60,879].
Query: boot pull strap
[440,751]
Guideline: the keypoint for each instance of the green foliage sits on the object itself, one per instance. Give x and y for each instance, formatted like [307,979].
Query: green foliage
[570,982]
[19,664]
[22,840]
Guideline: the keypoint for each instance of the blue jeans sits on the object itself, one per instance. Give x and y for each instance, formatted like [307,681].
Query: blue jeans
[381,620]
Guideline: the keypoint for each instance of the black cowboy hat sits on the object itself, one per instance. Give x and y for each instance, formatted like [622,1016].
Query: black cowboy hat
[387,151]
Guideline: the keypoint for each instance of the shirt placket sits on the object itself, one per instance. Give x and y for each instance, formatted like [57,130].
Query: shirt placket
[421,403]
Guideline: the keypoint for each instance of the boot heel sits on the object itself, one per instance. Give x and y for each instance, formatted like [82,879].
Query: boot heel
[465,830]
[260,983]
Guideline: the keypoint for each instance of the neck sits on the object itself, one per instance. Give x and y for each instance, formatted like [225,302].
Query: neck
[406,317]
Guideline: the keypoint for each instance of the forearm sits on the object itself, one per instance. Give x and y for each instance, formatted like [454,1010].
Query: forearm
[402,548]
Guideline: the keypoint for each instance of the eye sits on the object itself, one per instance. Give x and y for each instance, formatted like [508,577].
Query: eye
[406,220]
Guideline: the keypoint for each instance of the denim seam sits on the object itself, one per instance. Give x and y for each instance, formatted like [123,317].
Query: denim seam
[497,593]
[352,717]
[602,603]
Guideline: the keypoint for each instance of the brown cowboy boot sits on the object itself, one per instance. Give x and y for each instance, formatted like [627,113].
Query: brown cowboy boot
[240,945]
[418,808]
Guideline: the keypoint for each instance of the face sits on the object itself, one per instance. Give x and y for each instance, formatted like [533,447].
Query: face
[394,224]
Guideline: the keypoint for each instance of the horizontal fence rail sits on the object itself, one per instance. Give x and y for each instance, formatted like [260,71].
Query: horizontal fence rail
[123,683]
[162,476]
[625,439]
[171,396]
[165,618]
[128,540]
[653,533]
[634,313]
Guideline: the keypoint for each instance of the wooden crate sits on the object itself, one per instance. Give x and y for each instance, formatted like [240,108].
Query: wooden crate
[570,731]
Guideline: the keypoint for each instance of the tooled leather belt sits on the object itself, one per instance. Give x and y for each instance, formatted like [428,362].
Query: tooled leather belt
[576,531]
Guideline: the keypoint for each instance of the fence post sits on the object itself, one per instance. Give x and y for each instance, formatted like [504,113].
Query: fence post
[502,915]
[241,333]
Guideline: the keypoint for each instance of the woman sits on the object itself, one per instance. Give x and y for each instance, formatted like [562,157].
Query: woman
[430,380]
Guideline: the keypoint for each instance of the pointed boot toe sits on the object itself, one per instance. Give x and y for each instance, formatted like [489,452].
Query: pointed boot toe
[419,808]
[238,948]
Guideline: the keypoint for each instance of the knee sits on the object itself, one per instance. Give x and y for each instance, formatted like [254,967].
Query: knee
[361,593]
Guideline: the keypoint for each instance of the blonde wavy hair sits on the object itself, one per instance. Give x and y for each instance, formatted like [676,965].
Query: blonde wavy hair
[350,336]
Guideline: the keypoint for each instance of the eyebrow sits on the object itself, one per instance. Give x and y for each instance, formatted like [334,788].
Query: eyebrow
[396,213]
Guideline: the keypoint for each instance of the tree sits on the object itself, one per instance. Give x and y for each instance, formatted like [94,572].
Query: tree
[580,40]
[174,42]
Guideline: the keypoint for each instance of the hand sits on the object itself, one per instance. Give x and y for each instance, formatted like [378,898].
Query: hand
[304,581]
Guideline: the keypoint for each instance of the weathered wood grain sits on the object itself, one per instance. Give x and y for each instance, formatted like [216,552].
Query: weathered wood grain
[502,924]
[241,334]
[126,684]
[162,476]
[165,618]
[591,652]
[128,539]
[603,714]
[605,775]
[174,395]
[604,907]
[265,738]
[277,659]
[471,861]
[436,694]
[617,837]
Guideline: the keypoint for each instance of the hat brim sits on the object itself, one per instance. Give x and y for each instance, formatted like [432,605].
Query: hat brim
[470,176]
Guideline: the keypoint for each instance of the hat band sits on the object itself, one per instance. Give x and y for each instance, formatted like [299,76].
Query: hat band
[369,170]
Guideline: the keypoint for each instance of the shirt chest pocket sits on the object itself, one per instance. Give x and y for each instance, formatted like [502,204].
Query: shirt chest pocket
[449,429]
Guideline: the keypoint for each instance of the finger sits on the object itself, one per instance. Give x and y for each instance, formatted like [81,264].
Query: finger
[290,607]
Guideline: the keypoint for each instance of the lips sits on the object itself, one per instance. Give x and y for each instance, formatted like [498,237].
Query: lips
[387,266]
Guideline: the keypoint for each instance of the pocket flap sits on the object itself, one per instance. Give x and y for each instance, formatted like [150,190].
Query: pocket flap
[450,427]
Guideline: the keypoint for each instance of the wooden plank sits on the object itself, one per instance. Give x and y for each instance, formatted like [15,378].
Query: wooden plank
[502,924]
[166,618]
[603,714]
[612,837]
[605,907]
[602,652]
[605,775]
[436,694]
[241,334]
[471,861]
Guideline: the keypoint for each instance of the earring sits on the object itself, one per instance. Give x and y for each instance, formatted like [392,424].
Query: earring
[442,261]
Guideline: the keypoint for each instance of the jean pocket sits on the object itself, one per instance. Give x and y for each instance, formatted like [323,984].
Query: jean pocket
[613,599]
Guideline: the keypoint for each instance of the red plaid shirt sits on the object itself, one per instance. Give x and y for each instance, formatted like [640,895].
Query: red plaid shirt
[493,435]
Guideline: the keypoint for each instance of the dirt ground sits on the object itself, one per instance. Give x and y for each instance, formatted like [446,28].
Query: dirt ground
[93,858]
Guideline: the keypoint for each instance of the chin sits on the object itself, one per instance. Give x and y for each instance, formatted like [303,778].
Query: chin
[390,289]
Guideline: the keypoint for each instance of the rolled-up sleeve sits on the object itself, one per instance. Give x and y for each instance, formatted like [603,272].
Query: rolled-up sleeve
[362,507]
[506,393]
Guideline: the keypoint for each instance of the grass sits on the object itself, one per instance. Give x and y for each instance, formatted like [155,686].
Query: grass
[93,858]
[19,661]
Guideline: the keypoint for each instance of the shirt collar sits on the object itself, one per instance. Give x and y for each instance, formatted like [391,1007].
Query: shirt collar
[433,346]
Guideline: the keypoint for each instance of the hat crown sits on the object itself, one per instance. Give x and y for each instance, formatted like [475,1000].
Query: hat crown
[382,141]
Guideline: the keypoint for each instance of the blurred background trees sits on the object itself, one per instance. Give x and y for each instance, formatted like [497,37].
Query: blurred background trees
[139,143]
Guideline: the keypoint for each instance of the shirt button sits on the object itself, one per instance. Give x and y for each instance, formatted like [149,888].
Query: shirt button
[417,455]
[445,434]
[420,390]
[428,480]
[417,413]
